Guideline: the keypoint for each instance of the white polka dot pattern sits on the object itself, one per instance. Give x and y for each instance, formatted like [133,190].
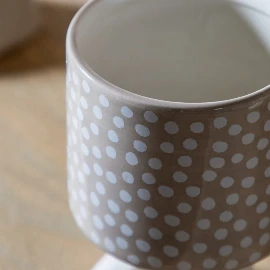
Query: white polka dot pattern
[146,184]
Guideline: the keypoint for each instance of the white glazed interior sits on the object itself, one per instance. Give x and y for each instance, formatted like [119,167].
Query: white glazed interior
[178,50]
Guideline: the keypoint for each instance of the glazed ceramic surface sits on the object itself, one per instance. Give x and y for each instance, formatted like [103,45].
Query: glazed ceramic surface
[18,19]
[164,185]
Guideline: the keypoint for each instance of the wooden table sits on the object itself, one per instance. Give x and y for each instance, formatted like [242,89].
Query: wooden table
[37,231]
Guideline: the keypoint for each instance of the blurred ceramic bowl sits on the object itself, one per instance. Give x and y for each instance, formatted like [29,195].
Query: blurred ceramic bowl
[18,20]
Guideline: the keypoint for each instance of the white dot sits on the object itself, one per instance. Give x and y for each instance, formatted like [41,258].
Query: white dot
[264,239]
[86,87]
[118,122]
[209,176]
[248,182]
[144,194]
[73,94]
[251,200]
[184,266]
[220,147]
[171,127]
[190,144]
[209,264]
[248,138]
[185,161]
[75,78]
[150,212]
[226,216]
[126,230]
[86,169]
[75,158]
[109,245]
[264,223]
[98,170]
[121,243]
[111,177]
[111,152]
[131,216]
[150,117]
[100,188]
[254,257]
[234,130]
[82,195]
[165,191]
[142,130]
[267,191]
[171,251]
[94,199]
[104,101]
[172,221]
[95,238]
[199,248]
[240,225]
[180,177]
[113,137]
[208,204]
[81,177]
[204,224]
[232,199]
[262,144]
[155,163]
[193,191]
[148,179]
[184,208]
[80,114]
[85,133]
[113,206]
[109,220]
[227,182]
[75,122]
[253,117]
[197,127]
[94,128]
[182,236]
[231,264]
[125,196]
[167,147]
[246,242]
[127,112]
[267,126]
[140,146]
[217,162]
[154,262]
[96,152]
[85,150]
[221,234]
[97,112]
[267,172]
[98,222]
[220,122]
[131,159]
[225,250]
[143,245]
[261,208]
[133,259]
[237,158]
[252,163]
[155,234]
[128,177]
[84,103]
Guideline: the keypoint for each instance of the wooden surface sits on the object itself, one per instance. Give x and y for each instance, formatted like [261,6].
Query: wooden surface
[37,231]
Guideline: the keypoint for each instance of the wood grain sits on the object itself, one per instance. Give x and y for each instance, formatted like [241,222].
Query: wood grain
[37,231]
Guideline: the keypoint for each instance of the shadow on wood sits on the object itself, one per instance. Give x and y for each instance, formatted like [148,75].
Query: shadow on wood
[47,47]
